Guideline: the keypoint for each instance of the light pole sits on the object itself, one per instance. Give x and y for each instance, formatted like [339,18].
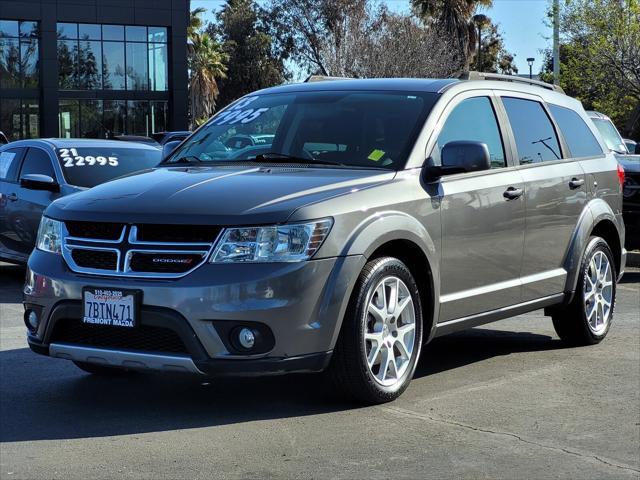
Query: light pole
[530,61]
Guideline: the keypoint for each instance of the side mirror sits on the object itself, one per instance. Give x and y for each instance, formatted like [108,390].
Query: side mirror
[169,147]
[35,181]
[460,157]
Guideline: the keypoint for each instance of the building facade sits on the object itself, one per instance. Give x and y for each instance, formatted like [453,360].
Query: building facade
[92,68]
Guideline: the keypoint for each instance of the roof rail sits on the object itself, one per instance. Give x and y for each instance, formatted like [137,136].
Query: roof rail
[509,78]
[322,78]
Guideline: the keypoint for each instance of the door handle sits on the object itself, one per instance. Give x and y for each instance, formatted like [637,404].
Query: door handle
[12,196]
[512,193]
[576,183]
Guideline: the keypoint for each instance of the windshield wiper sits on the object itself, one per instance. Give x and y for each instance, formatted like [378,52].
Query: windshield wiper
[284,158]
[186,159]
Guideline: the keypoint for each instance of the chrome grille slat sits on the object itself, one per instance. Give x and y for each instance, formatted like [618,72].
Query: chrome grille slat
[174,259]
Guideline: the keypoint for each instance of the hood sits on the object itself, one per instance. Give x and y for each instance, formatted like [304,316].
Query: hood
[221,195]
[630,163]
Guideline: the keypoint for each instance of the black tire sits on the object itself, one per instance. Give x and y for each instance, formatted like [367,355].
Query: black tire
[348,369]
[571,322]
[103,370]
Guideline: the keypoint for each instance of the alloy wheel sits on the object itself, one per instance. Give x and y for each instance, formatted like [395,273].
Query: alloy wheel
[598,293]
[390,330]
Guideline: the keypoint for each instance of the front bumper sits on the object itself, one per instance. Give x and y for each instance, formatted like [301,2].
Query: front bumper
[301,303]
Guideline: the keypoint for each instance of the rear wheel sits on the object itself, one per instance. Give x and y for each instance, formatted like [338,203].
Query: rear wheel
[96,369]
[379,344]
[587,319]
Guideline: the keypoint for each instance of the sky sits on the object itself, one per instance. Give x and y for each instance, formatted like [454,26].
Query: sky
[521,22]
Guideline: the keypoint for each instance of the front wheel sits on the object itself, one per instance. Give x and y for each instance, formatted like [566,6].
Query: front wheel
[379,344]
[587,319]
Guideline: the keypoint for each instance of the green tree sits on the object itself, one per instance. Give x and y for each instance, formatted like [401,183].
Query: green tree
[455,17]
[253,61]
[207,65]
[600,58]
[491,55]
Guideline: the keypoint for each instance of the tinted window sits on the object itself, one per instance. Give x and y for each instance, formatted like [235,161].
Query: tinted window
[9,160]
[536,138]
[91,166]
[581,141]
[356,128]
[37,161]
[473,120]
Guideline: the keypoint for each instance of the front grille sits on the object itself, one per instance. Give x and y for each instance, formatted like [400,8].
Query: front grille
[177,233]
[143,338]
[146,250]
[95,230]
[97,259]
[163,262]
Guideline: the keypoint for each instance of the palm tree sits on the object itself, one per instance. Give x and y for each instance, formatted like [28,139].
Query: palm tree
[195,22]
[206,64]
[455,17]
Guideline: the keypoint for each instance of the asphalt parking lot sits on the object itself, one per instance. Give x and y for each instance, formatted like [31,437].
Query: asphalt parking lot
[504,401]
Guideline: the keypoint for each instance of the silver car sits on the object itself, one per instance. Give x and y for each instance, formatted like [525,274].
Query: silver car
[371,217]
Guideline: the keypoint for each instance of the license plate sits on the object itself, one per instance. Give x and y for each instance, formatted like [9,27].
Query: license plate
[107,306]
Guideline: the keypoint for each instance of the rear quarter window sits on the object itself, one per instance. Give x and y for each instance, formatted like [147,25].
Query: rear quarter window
[577,134]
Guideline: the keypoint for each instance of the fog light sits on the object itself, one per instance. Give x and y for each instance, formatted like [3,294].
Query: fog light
[246,338]
[31,320]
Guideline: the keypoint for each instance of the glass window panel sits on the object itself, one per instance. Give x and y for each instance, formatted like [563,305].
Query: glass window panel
[91,119]
[114,117]
[30,119]
[10,118]
[68,119]
[8,28]
[579,137]
[136,34]
[157,34]
[9,63]
[137,117]
[158,116]
[112,32]
[137,72]
[535,136]
[90,65]
[67,63]
[474,120]
[89,31]
[29,29]
[37,161]
[29,60]
[113,65]
[158,66]
[68,30]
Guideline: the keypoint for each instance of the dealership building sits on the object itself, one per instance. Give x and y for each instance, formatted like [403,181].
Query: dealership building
[92,68]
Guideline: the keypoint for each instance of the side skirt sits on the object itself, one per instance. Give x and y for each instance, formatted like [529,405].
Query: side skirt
[458,324]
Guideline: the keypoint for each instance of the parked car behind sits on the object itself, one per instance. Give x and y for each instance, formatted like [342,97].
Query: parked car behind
[632,146]
[375,216]
[164,137]
[33,173]
[630,162]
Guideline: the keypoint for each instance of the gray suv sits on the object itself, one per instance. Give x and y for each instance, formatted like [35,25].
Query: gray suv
[364,219]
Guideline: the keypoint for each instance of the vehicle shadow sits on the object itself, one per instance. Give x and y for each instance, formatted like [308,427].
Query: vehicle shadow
[630,277]
[11,281]
[42,398]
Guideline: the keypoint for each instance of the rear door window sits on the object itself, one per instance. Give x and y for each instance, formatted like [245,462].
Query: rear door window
[536,139]
[473,119]
[37,161]
[577,134]
[9,164]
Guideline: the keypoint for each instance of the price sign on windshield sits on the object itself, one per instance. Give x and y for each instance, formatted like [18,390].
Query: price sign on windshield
[70,158]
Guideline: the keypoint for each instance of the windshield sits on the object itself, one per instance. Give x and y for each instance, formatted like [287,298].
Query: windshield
[610,134]
[353,128]
[91,166]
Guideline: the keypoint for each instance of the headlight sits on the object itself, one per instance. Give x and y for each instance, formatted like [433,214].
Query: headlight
[49,236]
[278,243]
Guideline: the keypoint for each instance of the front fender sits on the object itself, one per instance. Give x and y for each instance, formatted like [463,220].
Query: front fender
[384,227]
